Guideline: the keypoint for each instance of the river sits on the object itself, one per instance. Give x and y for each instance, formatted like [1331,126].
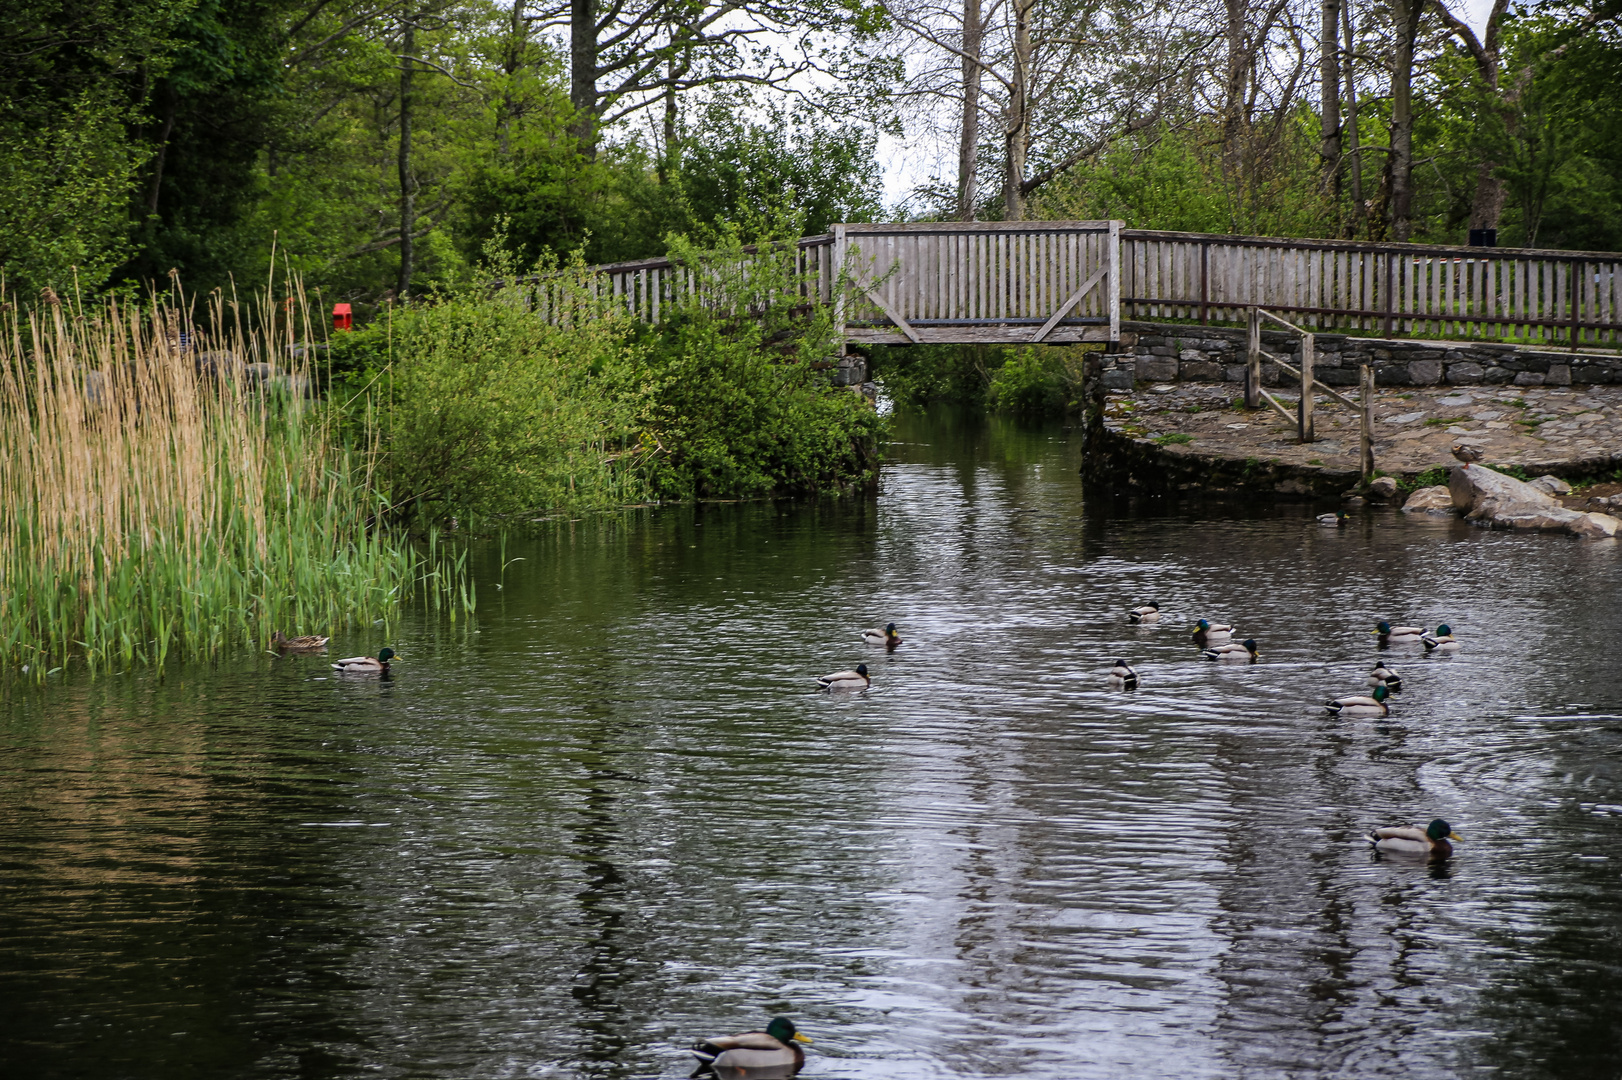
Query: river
[611,813]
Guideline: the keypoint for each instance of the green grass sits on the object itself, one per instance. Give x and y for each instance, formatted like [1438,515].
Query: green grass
[1174,438]
[1437,421]
[152,512]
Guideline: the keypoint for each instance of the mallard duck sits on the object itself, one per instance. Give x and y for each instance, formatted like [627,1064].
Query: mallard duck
[1123,676]
[1361,705]
[1431,841]
[886,637]
[846,680]
[366,665]
[297,644]
[1398,635]
[1441,641]
[1244,650]
[756,1051]
[1337,520]
[1149,612]
[1207,632]
[1386,677]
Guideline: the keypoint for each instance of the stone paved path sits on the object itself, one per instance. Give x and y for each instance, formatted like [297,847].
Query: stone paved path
[1567,431]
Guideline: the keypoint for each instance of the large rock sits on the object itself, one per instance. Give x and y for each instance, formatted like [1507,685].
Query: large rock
[1596,526]
[1491,498]
[1430,500]
[1383,487]
[1552,485]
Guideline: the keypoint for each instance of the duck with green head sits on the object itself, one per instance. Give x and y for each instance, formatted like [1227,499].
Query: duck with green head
[886,637]
[1207,632]
[365,665]
[1441,641]
[1398,635]
[774,1052]
[1431,841]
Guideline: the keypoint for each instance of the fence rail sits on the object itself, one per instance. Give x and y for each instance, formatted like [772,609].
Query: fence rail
[1396,290]
[1067,281]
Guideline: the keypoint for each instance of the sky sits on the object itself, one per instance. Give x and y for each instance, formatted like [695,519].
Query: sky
[908,163]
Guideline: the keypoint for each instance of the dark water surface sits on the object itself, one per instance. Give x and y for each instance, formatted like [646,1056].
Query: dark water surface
[612,815]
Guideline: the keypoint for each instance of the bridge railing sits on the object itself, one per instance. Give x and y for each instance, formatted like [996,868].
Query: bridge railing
[1393,290]
[1068,281]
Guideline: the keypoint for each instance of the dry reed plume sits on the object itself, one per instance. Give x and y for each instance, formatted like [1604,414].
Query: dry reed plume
[161,493]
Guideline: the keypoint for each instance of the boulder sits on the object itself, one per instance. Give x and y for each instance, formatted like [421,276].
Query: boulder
[1596,526]
[1430,500]
[1479,494]
[1552,485]
[1552,519]
[1383,487]
[1491,498]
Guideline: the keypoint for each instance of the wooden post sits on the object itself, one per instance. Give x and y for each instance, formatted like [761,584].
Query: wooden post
[1366,379]
[1114,281]
[1305,414]
[837,273]
[1205,280]
[1253,360]
[1389,298]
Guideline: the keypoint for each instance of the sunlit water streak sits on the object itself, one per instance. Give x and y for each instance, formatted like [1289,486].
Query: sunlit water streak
[615,814]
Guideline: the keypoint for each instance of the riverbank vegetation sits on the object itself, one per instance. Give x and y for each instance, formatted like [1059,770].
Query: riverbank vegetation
[175,485]
[167,493]
[1031,381]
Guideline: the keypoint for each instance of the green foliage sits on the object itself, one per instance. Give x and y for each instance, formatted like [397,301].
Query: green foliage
[479,406]
[483,408]
[1036,380]
[1177,438]
[739,169]
[64,194]
[919,375]
[738,406]
[1031,381]
[1514,471]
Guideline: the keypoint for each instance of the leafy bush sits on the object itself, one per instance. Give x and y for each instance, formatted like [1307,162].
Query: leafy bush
[1036,381]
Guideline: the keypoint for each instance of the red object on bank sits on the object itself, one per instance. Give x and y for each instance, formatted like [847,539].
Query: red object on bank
[341,319]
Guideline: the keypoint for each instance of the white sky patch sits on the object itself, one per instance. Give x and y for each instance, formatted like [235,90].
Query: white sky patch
[910,162]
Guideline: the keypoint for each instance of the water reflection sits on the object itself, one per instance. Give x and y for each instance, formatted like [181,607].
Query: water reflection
[614,815]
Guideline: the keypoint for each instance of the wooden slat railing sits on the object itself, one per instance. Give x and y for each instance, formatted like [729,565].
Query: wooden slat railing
[1395,290]
[1067,281]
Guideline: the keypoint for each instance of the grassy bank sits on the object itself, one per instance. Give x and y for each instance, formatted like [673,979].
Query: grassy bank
[160,499]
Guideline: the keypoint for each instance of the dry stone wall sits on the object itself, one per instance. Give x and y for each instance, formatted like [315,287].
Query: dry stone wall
[1180,353]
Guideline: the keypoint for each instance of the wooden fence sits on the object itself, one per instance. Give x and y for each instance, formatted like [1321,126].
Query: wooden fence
[1392,290]
[1069,281]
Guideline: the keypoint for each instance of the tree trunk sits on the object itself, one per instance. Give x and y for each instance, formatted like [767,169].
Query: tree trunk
[968,144]
[1405,18]
[583,75]
[163,151]
[408,187]
[1018,129]
[1235,110]
[1355,172]
[1329,47]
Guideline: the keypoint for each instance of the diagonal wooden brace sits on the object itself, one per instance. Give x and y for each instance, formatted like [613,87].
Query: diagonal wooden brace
[890,313]
[1075,298]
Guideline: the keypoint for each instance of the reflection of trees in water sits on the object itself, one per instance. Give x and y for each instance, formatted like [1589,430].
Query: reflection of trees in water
[611,960]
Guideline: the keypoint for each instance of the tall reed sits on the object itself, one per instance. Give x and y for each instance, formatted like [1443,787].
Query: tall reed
[160,495]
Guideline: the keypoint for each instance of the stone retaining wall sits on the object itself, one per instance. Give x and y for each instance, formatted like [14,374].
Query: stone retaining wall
[1180,353]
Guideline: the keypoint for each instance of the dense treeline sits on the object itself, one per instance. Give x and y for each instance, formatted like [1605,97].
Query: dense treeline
[376,145]
[1390,119]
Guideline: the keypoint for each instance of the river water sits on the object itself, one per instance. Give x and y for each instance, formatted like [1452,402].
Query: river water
[612,814]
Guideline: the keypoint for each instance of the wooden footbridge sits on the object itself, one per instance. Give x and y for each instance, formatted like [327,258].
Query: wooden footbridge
[1064,282]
